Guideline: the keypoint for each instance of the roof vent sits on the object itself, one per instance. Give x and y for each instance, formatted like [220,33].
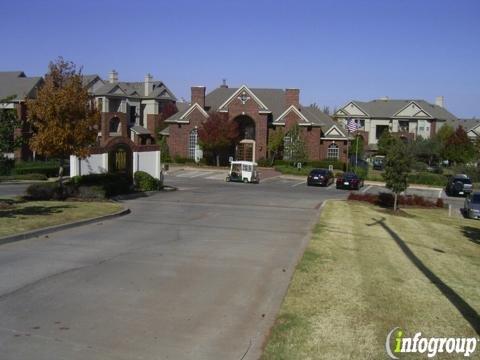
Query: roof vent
[224,84]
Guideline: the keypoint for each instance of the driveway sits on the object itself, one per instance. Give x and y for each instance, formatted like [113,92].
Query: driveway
[194,274]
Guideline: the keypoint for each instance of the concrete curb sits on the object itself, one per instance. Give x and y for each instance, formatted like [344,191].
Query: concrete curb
[261,338]
[140,194]
[410,186]
[55,228]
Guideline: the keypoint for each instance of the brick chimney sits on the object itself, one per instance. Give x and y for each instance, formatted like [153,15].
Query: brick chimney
[112,77]
[198,95]
[292,97]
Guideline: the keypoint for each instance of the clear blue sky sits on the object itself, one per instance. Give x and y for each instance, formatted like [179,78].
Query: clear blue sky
[334,51]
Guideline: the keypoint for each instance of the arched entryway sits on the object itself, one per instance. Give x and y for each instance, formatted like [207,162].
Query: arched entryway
[246,127]
[245,148]
[120,159]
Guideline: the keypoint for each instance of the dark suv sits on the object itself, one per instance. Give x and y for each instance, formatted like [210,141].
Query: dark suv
[321,177]
[459,185]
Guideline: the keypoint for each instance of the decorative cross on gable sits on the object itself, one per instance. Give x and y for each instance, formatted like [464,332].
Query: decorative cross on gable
[244,98]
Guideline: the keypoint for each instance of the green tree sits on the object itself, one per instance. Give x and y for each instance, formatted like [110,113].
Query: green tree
[294,148]
[398,164]
[164,150]
[427,150]
[441,136]
[458,147]
[275,143]
[8,124]
[385,142]
[63,115]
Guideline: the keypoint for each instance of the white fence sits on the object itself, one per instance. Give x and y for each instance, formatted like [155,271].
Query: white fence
[148,161]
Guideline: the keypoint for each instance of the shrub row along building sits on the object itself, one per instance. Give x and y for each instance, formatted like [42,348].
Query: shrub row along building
[135,114]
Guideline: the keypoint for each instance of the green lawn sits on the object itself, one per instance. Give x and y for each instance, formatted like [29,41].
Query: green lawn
[24,216]
[354,283]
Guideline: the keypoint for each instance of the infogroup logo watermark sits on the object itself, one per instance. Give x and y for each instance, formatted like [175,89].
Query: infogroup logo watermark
[397,343]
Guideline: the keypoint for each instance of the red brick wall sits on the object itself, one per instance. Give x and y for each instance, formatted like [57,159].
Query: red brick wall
[153,121]
[433,128]
[179,134]
[342,147]
[311,135]
[105,119]
[251,108]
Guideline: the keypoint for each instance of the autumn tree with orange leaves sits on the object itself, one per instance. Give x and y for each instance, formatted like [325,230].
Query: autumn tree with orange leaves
[63,117]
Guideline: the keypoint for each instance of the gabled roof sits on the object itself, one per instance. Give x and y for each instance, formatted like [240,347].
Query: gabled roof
[182,116]
[88,79]
[16,83]
[390,108]
[311,116]
[140,130]
[334,132]
[240,91]
[273,101]
[467,124]
[182,108]
[137,90]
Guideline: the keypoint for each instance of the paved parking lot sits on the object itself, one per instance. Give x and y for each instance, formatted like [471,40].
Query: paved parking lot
[290,182]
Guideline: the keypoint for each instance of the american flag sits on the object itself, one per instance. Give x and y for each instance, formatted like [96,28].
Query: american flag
[352,125]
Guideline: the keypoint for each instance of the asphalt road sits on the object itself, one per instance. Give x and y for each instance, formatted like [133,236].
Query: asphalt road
[194,274]
[12,189]
[198,273]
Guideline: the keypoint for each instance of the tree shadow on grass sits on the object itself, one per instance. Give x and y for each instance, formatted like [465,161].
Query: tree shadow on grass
[32,210]
[468,312]
[472,234]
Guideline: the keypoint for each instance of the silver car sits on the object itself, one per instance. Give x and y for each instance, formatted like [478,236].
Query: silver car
[472,206]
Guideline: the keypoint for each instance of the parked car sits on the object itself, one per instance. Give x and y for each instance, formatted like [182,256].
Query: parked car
[472,206]
[243,171]
[378,162]
[350,181]
[459,185]
[322,177]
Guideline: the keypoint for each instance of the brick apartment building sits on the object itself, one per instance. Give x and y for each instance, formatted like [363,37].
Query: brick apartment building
[259,113]
[131,113]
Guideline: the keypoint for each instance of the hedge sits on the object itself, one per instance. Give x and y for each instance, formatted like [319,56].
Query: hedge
[112,184]
[6,166]
[425,178]
[48,168]
[337,164]
[44,191]
[24,177]
[145,182]
[387,200]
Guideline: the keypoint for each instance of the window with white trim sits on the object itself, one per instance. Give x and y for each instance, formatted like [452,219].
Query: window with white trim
[192,143]
[333,151]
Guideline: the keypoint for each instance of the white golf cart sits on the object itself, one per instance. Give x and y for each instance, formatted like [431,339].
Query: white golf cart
[243,171]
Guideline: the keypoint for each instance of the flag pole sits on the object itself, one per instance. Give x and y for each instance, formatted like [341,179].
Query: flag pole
[348,140]
[356,152]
